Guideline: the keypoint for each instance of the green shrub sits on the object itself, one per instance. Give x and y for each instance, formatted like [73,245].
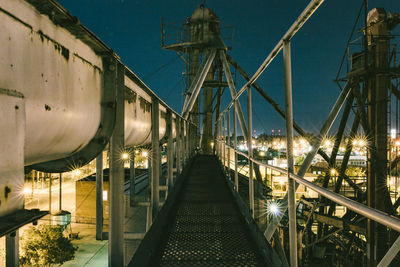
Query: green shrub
[45,245]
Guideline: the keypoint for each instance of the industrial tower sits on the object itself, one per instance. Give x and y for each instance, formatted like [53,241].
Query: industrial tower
[197,42]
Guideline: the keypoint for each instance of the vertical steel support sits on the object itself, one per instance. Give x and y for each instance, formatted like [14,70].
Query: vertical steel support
[228,141]
[187,139]
[219,138]
[268,233]
[170,151]
[12,249]
[155,157]
[59,193]
[235,147]
[250,150]
[117,177]
[182,140]
[223,140]
[99,196]
[49,176]
[132,177]
[178,145]
[221,133]
[149,211]
[289,153]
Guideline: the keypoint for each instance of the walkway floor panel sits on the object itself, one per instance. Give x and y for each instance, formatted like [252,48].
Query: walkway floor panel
[207,228]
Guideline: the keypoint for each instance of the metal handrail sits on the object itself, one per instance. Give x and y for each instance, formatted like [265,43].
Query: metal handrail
[304,16]
[359,208]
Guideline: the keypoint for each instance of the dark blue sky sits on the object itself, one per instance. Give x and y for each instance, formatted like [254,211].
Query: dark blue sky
[133,30]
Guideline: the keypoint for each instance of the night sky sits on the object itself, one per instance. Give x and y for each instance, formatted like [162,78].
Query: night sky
[133,30]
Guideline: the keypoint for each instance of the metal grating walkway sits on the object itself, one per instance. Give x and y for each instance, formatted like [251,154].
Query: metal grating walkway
[206,228]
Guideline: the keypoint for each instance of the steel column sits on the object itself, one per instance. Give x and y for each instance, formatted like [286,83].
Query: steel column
[235,145]
[117,177]
[220,137]
[132,177]
[99,196]
[49,175]
[224,140]
[155,158]
[59,193]
[12,249]
[183,143]
[310,156]
[170,151]
[228,141]
[178,145]
[250,150]
[289,153]
[187,139]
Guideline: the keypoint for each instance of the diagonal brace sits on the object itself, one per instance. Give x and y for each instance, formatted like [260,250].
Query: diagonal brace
[195,87]
[310,156]
[232,89]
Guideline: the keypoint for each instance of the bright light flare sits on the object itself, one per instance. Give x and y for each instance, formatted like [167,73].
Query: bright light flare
[397,143]
[27,191]
[274,209]
[125,156]
[145,153]
[393,133]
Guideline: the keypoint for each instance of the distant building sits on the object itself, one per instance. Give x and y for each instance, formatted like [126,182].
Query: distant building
[356,161]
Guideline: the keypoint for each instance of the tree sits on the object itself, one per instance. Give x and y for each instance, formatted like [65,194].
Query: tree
[45,245]
[352,171]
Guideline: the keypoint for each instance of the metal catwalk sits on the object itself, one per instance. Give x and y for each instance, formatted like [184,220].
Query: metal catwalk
[206,227]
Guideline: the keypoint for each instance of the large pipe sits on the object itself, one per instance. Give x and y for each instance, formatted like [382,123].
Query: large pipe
[69,113]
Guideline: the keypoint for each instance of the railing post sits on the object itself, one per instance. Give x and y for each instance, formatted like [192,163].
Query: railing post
[170,150]
[221,133]
[182,140]
[250,150]
[59,192]
[178,145]
[99,196]
[117,175]
[289,154]
[224,139]
[12,249]
[50,185]
[187,140]
[228,141]
[235,145]
[219,138]
[155,157]
[132,177]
